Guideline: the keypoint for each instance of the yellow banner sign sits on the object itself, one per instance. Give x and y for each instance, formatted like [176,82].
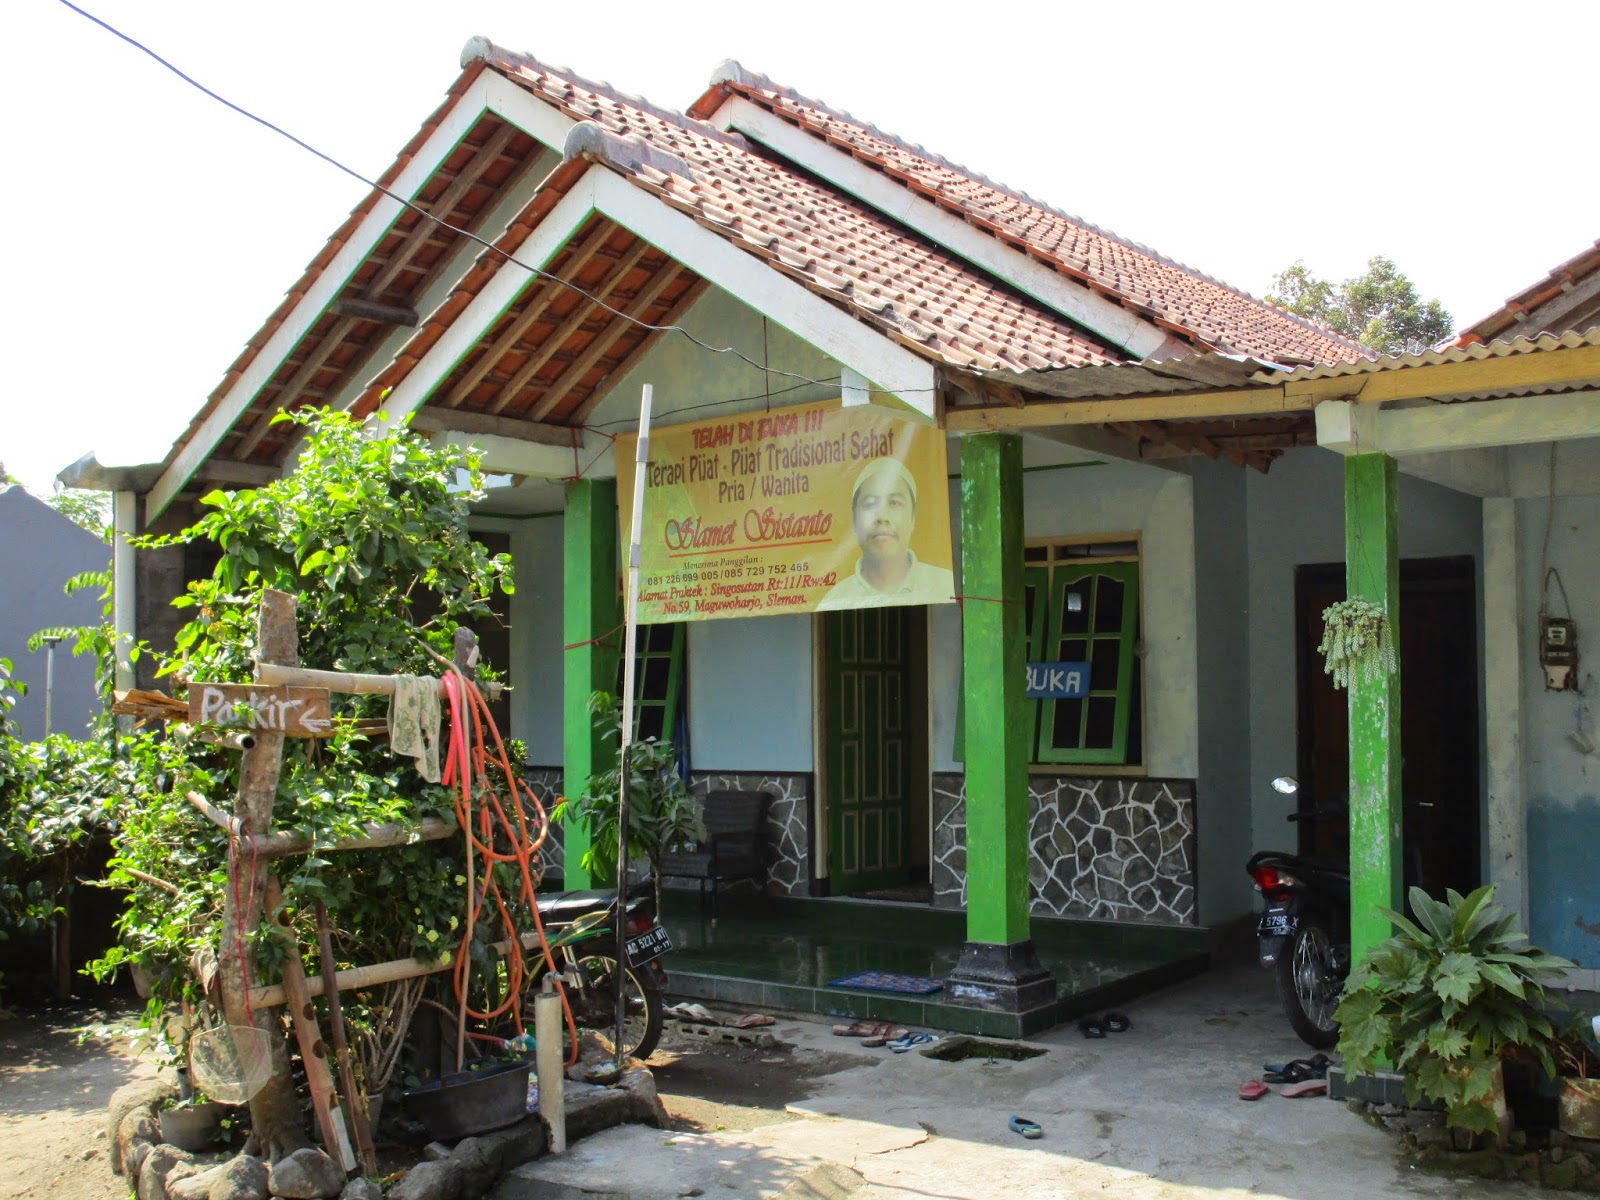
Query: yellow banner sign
[798,510]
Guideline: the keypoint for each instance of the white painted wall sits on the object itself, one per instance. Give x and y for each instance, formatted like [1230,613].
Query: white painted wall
[750,706]
[1111,498]
[536,637]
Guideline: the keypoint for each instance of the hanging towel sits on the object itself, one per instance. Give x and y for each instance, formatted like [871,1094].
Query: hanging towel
[414,717]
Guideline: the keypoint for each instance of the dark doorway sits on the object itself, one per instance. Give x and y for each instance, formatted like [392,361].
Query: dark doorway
[1438,720]
[874,729]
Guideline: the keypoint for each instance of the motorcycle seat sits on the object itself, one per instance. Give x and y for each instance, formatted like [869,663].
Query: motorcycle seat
[569,906]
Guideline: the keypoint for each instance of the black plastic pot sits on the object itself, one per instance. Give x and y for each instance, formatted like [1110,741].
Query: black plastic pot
[470,1102]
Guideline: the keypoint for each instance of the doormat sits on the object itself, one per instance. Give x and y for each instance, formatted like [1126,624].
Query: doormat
[907,893]
[882,981]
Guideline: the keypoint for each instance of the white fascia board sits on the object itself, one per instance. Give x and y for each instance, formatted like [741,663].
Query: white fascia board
[456,124]
[516,105]
[1353,428]
[849,341]
[537,460]
[1114,323]
[558,226]
[491,227]
[124,584]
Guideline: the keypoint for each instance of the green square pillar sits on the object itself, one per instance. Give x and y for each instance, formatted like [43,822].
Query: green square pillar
[998,968]
[1372,572]
[591,616]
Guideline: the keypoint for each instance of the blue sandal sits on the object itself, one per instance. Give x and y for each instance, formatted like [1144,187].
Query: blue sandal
[1025,1127]
[911,1040]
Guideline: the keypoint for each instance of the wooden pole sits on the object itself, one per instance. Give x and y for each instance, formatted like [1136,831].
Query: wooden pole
[274,1111]
[313,1052]
[346,683]
[341,1048]
[374,837]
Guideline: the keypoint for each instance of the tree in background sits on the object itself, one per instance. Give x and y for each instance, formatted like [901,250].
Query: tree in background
[1380,309]
[92,510]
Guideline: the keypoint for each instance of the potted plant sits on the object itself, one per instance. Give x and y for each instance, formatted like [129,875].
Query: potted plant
[1579,1097]
[662,816]
[1444,999]
[1356,639]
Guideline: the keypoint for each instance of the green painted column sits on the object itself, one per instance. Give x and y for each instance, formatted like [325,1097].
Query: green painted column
[993,667]
[1372,572]
[591,616]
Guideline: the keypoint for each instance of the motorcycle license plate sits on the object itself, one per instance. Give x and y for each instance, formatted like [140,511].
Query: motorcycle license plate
[1276,924]
[648,946]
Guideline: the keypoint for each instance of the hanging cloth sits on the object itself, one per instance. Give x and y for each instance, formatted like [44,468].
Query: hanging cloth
[414,717]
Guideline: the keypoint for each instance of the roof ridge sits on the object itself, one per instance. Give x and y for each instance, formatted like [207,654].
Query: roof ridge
[481,49]
[731,71]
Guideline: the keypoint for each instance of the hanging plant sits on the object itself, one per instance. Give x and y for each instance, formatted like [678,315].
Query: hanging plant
[1356,637]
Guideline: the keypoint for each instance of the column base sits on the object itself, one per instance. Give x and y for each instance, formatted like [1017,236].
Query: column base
[1001,978]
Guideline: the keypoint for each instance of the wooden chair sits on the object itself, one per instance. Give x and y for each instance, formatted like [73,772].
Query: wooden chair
[734,848]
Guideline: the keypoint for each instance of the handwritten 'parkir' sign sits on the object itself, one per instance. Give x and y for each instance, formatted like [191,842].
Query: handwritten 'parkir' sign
[800,509]
[297,711]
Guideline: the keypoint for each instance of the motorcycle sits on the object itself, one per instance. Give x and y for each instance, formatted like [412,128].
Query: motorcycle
[1304,931]
[580,927]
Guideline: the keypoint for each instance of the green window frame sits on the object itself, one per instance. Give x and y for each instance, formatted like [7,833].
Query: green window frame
[1089,613]
[658,679]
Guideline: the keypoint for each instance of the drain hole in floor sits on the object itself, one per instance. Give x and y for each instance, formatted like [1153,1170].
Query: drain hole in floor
[958,1049]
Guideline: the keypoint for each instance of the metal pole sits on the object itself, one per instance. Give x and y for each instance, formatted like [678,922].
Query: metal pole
[49,683]
[625,740]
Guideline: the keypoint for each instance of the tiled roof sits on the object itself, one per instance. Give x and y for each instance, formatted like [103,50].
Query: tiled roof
[1189,303]
[1568,277]
[911,290]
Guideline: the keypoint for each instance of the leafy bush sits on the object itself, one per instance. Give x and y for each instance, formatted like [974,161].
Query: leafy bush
[662,816]
[1444,999]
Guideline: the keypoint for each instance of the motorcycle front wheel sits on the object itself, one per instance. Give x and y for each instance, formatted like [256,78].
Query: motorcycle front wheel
[641,1028]
[1310,984]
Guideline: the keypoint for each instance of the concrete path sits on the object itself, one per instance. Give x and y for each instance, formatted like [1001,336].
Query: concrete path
[1152,1112]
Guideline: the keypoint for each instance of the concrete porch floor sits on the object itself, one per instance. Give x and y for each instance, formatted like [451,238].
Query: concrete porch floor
[779,954]
[1152,1112]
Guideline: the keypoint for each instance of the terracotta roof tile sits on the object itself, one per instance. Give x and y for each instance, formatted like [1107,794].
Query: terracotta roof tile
[1176,296]
[831,243]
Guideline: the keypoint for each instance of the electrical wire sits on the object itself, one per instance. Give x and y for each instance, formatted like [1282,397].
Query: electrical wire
[440,221]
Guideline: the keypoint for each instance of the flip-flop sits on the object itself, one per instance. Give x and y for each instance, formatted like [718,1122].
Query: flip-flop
[862,1029]
[1297,1070]
[882,1039]
[1027,1128]
[1253,1089]
[1091,1028]
[1115,1022]
[1306,1087]
[901,1044]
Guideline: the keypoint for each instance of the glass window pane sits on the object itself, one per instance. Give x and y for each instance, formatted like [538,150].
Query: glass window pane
[1074,650]
[1077,592]
[1065,732]
[1101,729]
[1104,664]
[1108,604]
[651,720]
[657,671]
[1035,554]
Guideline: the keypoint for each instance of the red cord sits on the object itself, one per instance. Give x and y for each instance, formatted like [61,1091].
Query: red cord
[478,818]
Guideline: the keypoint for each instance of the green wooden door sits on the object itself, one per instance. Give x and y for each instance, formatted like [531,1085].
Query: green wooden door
[868,746]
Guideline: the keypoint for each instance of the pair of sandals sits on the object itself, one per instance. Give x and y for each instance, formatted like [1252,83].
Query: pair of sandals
[1112,1022]
[880,1033]
[1298,1077]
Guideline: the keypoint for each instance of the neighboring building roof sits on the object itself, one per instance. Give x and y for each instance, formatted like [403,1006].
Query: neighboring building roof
[1567,299]
[1191,304]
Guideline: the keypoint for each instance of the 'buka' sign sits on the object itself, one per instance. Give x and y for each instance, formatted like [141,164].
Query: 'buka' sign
[1058,680]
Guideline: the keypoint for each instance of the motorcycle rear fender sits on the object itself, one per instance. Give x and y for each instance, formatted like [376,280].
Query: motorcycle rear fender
[1270,948]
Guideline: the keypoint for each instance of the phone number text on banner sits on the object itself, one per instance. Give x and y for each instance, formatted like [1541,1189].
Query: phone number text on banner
[798,510]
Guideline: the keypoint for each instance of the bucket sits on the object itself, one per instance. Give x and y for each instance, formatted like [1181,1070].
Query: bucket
[470,1102]
[1580,1108]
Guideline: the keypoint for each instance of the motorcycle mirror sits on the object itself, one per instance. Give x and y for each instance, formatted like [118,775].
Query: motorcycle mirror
[1287,784]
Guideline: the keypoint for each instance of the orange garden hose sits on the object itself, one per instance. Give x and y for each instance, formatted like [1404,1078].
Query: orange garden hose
[477,816]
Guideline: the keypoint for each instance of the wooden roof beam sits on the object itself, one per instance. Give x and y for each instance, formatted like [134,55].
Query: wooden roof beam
[602,342]
[581,312]
[672,316]
[538,303]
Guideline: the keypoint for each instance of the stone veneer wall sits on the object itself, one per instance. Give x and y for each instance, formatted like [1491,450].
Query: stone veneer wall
[546,784]
[788,822]
[1117,849]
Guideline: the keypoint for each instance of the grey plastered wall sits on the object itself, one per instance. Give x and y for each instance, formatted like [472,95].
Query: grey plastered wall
[1222,611]
[41,550]
[1561,781]
[1295,516]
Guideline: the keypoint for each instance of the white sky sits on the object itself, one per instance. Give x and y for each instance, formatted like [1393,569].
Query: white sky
[151,231]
